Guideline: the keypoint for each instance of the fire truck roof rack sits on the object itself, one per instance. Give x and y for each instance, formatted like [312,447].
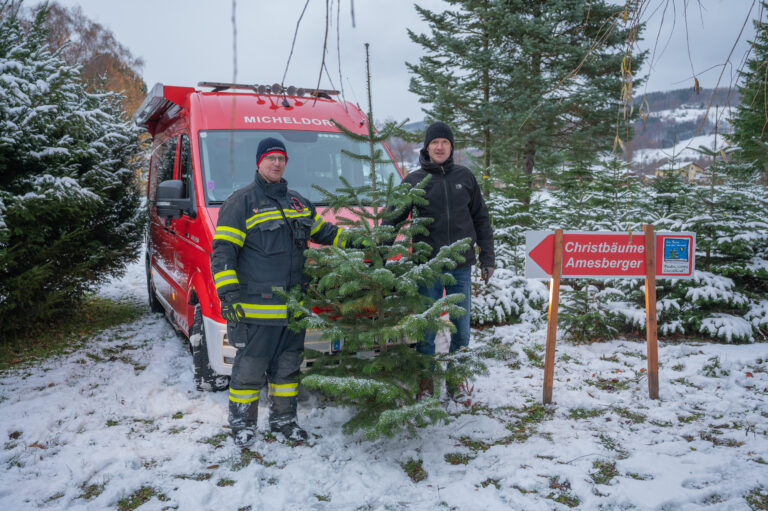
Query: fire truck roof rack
[271,89]
[162,100]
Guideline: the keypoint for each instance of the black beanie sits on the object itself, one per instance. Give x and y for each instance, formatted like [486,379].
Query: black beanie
[270,145]
[438,130]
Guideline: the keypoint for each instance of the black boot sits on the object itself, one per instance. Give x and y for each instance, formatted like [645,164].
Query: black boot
[290,430]
[243,418]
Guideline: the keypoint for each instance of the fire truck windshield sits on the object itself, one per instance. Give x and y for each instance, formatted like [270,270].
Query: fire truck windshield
[228,159]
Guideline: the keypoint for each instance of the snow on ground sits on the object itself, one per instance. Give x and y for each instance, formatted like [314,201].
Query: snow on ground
[92,428]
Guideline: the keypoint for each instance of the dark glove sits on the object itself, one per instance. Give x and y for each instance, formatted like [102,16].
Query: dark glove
[231,309]
[486,272]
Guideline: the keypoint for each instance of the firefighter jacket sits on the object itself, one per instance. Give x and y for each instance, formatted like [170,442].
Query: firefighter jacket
[262,232]
[457,207]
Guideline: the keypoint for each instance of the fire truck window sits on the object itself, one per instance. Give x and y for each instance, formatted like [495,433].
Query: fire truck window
[228,160]
[162,165]
[186,174]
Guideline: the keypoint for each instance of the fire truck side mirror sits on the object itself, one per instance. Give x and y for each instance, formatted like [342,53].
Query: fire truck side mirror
[169,200]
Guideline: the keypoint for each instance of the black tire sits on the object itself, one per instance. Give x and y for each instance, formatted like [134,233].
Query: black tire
[154,303]
[205,377]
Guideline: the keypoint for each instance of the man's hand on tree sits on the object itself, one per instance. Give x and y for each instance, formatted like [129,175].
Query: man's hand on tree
[486,272]
[232,309]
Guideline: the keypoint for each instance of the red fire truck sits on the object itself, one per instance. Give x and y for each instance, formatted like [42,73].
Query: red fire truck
[204,148]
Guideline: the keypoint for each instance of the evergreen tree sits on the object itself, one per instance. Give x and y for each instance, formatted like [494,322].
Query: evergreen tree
[541,77]
[70,203]
[464,99]
[369,298]
[750,123]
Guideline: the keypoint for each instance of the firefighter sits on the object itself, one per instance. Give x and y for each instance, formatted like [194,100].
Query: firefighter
[262,232]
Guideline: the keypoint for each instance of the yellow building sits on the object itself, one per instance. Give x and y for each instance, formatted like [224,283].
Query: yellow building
[689,172]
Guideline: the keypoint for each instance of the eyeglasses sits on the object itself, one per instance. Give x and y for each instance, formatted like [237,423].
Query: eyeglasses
[276,158]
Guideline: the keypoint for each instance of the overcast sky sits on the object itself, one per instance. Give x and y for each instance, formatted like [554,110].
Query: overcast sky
[183,42]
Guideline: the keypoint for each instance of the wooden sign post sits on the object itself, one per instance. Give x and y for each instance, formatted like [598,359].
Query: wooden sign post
[554,299]
[650,313]
[599,255]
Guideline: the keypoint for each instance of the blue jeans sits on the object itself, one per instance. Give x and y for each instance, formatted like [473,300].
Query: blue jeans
[463,285]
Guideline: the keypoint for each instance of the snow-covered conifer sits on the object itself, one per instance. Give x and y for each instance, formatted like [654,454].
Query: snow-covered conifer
[70,215]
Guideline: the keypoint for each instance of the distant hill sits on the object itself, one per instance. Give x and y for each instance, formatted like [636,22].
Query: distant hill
[676,123]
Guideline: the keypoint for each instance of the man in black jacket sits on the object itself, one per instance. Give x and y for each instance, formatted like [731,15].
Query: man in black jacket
[261,234]
[458,211]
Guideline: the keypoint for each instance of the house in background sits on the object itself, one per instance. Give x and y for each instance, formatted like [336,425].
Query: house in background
[690,172]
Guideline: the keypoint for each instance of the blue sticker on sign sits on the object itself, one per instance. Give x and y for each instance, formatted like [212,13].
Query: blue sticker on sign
[336,345]
[676,249]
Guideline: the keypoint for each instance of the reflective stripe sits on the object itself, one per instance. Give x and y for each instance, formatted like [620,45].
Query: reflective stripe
[231,234]
[225,278]
[319,221]
[341,238]
[275,214]
[253,310]
[284,389]
[243,396]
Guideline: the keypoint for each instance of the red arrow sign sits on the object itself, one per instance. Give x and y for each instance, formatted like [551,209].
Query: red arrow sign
[608,255]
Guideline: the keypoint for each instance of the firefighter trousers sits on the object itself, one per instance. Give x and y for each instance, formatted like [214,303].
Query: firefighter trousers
[271,355]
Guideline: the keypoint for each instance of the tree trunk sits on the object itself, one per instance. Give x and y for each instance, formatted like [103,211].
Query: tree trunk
[529,155]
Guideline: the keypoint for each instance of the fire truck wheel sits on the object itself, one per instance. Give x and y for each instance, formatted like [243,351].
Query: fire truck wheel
[205,378]
[154,303]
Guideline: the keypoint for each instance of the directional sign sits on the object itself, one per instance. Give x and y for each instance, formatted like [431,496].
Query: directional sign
[609,254]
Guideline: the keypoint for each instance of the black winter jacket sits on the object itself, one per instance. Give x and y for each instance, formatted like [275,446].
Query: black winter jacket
[457,207]
[262,232]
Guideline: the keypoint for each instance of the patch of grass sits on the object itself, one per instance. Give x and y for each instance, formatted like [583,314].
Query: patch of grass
[523,490]
[604,471]
[757,498]
[56,337]
[612,358]
[713,369]
[248,456]
[415,470]
[639,477]
[91,491]
[474,445]
[55,496]
[498,351]
[177,415]
[635,354]
[687,419]
[225,481]
[139,497]
[216,440]
[323,498]
[490,481]
[529,417]
[562,494]
[584,413]
[661,424]
[612,445]
[112,422]
[684,381]
[759,460]
[535,354]
[457,458]
[610,384]
[176,430]
[712,436]
[678,367]
[200,476]
[635,417]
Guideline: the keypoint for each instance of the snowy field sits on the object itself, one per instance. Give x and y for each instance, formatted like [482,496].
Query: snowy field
[120,421]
